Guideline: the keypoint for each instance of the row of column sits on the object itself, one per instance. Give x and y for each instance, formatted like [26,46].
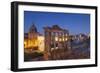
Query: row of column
[54,38]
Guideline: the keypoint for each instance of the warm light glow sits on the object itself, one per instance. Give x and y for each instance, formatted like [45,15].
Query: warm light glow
[39,42]
[66,39]
[25,44]
[56,38]
[60,39]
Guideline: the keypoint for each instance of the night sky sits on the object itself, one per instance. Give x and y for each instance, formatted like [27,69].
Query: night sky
[74,22]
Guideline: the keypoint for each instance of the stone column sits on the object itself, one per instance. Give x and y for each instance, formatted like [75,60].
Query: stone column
[54,33]
[58,39]
[64,39]
[47,44]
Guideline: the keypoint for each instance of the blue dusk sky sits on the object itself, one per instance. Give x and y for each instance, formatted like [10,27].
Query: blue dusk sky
[74,22]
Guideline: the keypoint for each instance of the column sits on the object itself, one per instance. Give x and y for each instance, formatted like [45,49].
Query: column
[47,44]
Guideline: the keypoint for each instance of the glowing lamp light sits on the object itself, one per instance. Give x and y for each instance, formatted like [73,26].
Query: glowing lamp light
[56,39]
[66,39]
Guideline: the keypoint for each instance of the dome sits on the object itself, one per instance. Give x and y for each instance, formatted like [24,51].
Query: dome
[33,28]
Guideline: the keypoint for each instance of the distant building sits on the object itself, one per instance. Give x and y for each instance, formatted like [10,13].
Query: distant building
[79,37]
[33,40]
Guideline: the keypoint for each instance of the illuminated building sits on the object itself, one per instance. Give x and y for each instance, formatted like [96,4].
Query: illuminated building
[33,40]
[56,39]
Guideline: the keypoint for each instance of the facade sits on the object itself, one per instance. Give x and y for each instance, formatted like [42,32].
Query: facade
[33,40]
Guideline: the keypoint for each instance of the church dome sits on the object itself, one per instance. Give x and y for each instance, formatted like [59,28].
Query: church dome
[33,29]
